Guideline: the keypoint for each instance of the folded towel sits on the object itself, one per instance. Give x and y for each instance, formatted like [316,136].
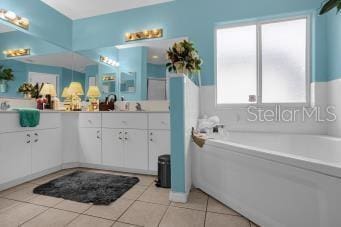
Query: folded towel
[28,117]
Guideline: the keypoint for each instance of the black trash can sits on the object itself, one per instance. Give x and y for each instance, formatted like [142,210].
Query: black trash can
[164,172]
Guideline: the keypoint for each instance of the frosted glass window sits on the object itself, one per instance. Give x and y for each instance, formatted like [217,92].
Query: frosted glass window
[284,62]
[236,64]
[266,62]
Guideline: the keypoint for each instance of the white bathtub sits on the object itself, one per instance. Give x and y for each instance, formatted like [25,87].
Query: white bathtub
[274,179]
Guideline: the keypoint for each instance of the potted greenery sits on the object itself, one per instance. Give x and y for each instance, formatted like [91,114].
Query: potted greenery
[6,74]
[27,89]
[183,58]
[329,5]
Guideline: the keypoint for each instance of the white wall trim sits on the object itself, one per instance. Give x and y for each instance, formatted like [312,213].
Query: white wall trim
[178,197]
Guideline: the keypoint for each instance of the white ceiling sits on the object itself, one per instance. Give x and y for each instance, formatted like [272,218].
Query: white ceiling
[5,28]
[67,60]
[155,48]
[78,9]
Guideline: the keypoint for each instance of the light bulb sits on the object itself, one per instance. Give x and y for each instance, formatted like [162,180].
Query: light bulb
[10,15]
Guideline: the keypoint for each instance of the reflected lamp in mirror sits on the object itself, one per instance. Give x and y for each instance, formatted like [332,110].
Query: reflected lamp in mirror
[49,91]
[67,99]
[12,18]
[75,90]
[93,94]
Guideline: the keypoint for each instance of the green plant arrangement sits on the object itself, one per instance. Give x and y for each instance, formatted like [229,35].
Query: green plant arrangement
[27,89]
[329,5]
[6,74]
[183,58]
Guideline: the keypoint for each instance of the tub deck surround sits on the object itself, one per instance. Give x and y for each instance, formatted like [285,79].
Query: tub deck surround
[121,141]
[273,179]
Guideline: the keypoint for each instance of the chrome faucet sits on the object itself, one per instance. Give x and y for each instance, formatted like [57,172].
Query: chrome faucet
[138,106]
[4,106]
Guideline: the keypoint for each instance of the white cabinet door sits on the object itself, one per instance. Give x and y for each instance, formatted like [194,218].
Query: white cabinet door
[46,149]
[136,149]
[15,156]
[159,144]
[113,147]
[90,141]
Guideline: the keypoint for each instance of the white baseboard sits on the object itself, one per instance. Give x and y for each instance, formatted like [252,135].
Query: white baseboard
[118,169]
[178,197]
[70,165]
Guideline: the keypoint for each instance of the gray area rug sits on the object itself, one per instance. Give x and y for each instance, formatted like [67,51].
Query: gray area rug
[88,187]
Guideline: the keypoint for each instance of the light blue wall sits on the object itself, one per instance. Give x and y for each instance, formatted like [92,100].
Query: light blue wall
[45,22]
[135,60]
[177,113]
[196,20]
[334,45]
[17,40]
[157,71]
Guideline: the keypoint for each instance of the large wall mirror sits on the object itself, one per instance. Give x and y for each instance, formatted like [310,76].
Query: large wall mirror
[42,63]
[134,71]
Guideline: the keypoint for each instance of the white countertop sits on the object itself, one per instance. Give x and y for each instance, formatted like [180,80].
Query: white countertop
[59,111]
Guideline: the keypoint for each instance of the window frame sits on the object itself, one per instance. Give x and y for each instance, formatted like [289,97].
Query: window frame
[259,24]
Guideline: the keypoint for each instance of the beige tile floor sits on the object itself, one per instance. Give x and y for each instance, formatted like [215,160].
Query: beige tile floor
[142,205]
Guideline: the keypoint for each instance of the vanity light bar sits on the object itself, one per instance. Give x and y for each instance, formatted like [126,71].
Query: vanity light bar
[108,61]
[147,34]
[17,53]
[12,18]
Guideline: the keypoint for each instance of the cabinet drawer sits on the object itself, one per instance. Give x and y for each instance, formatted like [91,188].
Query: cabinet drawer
[125,120]
[89,120]
[49,121]
[159,121]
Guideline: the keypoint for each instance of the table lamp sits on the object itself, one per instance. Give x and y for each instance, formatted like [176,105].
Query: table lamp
[49,91]
[67,98]
[76,90]
[93,94]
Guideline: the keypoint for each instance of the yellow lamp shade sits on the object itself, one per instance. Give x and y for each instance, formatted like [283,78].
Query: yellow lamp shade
[93,92]
[66,93]
[76,88]
[48,89]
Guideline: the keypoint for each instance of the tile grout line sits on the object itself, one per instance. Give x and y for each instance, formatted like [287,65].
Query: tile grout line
[206,211]
[163,215]
[34,217]
[132,204]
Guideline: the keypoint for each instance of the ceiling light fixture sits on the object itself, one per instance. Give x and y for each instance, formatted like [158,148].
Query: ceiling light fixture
[17,53]
[155,57]
[12,18]
[146,34]
[109,61]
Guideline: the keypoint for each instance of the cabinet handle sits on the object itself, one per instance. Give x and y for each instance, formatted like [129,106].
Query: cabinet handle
[151,139]
[28,135]
[36,140]
[151,133]
[28,141]
[36,134]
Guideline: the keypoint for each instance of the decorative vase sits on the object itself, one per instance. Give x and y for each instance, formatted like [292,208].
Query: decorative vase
[3,86]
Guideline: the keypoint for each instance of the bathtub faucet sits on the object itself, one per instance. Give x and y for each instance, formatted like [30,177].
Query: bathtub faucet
[217,127]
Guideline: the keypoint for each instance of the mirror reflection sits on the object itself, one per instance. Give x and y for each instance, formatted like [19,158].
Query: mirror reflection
[45,63]
[132,72]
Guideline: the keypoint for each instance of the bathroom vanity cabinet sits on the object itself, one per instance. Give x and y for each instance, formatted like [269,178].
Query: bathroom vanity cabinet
[26,153]
[129,142]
